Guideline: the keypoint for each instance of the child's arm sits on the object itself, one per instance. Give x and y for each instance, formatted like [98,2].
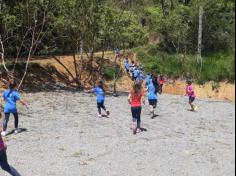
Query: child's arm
[88,90]
[146,89]
[143,98]
[24,103]
[129,98]
[2,104]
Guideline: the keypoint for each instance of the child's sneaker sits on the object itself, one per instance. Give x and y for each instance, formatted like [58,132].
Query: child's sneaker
[99,115]
[139,130]
[3,133]
[152,115]
[108,113]
[16,131]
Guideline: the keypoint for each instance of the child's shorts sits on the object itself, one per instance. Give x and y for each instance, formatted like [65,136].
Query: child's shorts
[191,100]
[153,103]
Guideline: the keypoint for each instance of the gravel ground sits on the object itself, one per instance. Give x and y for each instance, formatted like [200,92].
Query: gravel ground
[64,137]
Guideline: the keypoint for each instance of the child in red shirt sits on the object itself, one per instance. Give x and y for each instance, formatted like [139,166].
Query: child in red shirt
[135,97]
[161,82]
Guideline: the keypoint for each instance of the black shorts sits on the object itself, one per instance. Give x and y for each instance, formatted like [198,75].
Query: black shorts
[153,103]
[100,105]
[191,99]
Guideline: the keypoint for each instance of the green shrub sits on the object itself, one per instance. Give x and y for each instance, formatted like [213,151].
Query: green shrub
[108,73]
[216,66]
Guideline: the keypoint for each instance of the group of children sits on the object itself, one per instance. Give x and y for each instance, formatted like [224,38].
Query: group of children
[135,98]
[135,71]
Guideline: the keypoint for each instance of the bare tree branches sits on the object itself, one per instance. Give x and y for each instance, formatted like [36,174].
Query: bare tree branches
[36,37]
[2,53]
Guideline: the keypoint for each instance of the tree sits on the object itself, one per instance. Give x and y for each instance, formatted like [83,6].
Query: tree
[199,58]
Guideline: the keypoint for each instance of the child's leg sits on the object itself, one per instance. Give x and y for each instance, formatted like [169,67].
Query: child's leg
[134,118]
[191,100]
[103,106]
[14,172]
[4,164]
[139,110]
[16,117]
[151,109]
[5,121]
[99,108]
[161,88]
[153,104]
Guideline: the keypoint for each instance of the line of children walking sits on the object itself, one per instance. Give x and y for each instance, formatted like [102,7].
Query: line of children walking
[135,71]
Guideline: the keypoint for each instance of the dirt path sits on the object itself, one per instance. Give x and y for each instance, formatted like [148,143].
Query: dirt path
[65,138]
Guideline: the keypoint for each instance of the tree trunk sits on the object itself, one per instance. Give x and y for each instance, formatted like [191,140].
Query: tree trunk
[80,58]
[199,52]
[172,5]
[67,70]
[2,53]
[91,55]
[115,78]
[76,69]
[163,7]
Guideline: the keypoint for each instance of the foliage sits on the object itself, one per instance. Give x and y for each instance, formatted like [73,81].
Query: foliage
[109,72]
[68,27]
[216,66]
[179,28]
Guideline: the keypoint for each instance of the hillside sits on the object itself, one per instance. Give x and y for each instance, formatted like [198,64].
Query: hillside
[47,73]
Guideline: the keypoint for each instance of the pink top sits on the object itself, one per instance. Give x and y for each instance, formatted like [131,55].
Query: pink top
[189,91]
[2,145]
[136,100]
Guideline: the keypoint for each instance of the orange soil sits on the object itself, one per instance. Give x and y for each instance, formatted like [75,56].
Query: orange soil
[224,92]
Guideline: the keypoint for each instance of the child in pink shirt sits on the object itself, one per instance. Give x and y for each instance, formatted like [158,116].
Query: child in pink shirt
[191,94]
[3,160]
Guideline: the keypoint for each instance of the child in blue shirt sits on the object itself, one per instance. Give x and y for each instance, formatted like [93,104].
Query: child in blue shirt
[135,74]
[100,93]
[126,64]
[10,97]
[152,97]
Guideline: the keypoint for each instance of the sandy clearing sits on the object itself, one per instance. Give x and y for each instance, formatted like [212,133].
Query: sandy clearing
[65,138]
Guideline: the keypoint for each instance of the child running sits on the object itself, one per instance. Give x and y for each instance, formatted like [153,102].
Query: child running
[100,92]
[152,96]
[161,83]
[135,97]
[191,94]
[3,160]
[10,97]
